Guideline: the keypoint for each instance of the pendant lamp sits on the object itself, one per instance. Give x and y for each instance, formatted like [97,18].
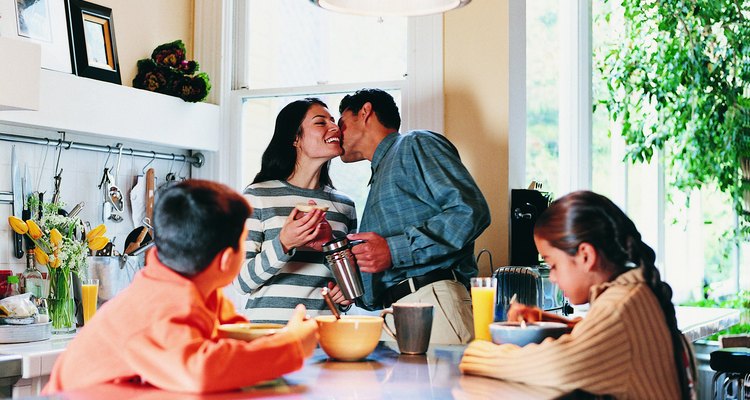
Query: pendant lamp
[390,8]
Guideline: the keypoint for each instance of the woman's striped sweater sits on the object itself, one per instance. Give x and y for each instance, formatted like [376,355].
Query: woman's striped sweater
[274,281]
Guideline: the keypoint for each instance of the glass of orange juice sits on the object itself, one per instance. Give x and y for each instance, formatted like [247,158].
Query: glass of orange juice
[483,297]
[89,295]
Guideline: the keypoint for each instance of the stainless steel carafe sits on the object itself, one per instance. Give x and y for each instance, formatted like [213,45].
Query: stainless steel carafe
[343,265]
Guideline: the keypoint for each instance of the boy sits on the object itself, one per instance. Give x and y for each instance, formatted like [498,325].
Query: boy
[162,329]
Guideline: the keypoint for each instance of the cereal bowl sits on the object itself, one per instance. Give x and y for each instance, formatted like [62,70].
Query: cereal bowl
[532,332]
[248,331]
[351,338]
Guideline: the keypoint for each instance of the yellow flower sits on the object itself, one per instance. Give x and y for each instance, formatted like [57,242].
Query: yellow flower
[96,232]
[34,230]
[55,237]
[40,256]
[98,243]
[18,225]
[55,262]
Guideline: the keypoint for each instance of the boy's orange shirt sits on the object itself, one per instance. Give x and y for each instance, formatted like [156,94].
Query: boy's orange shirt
[160,331]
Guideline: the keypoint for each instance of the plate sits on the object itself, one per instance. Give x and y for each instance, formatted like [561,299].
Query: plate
[25,333]
[248,331]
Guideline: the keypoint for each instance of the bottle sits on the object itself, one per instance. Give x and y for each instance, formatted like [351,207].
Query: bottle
[12,286]
[33,281]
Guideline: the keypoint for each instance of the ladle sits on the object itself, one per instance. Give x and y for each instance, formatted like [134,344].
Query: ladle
[329,302]
[114,194]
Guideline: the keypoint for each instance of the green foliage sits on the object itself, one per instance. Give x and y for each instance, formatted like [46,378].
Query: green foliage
[680,81]
[740,301]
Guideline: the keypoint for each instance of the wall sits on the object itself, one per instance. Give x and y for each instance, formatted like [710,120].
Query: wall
[141,25]
[82,173]
[476,108]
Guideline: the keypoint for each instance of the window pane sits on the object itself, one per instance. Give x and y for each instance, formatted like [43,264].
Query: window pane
[258,119]
[542,89]
[292,43]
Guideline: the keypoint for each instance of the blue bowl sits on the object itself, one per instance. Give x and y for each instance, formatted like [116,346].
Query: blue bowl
[534,332]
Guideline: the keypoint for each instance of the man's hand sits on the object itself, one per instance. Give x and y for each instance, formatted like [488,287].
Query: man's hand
[305,331]
[373,256]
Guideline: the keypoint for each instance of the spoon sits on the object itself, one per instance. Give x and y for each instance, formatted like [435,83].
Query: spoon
[329,302]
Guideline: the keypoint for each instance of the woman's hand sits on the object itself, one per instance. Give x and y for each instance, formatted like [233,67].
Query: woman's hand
[299,230]
[336,295]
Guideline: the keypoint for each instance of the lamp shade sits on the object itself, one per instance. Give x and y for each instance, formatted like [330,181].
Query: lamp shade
[20,70]
[389,8]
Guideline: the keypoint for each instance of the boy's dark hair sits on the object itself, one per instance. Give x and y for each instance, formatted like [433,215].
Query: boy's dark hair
[382,104]
[194,220]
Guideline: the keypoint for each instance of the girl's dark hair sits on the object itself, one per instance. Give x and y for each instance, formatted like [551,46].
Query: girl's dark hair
[280,157]
[194,220]
[585,216]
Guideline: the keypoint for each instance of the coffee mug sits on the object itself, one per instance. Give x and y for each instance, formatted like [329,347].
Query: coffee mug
[413,326]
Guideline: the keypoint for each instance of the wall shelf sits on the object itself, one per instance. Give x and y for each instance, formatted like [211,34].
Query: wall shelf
[81,105]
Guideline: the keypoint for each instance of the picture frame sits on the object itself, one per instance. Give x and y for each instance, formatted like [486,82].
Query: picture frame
[92,41]
[43,22]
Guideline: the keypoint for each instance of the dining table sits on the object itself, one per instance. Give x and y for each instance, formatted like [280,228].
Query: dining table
[384,374]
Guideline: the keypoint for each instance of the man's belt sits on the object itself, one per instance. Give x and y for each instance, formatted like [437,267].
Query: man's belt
[411,285]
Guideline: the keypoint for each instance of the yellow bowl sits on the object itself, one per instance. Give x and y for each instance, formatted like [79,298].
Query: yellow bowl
[247,330]
[351,338]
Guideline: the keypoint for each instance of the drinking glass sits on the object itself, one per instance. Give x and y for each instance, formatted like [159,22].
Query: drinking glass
[483,295]
[89,294]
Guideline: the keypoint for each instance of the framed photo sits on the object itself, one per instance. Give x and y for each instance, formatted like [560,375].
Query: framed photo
[92,41]
[40,21]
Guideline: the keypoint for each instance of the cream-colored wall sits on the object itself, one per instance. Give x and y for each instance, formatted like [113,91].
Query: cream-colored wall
[141,25]
[476,108]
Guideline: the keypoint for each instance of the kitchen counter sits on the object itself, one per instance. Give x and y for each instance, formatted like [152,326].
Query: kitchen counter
[386,374]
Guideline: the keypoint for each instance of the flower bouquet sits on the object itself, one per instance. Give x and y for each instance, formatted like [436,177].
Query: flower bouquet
[60,245]
[169,72]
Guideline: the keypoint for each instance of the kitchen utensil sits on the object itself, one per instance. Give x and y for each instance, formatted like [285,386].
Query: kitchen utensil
[533,332]
[76,210]
[150,195]
[329,303]
[351,338]
[18,201]
[413,326]
[114,273]
[136,238]
[341,261]
[143,248]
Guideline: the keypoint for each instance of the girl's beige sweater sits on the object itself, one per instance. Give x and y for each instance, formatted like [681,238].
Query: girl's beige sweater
[621,348]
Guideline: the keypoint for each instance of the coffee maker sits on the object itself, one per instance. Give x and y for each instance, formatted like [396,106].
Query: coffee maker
[527,277]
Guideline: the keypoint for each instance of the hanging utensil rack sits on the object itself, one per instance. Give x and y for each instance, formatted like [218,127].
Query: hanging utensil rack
[197,159]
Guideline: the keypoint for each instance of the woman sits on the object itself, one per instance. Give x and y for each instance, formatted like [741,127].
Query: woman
[628,345]
[285,266]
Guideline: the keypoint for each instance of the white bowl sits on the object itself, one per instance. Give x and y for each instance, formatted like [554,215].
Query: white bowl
[534,332]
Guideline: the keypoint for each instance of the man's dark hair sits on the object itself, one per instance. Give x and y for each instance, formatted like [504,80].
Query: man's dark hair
[382,104]
[194,220]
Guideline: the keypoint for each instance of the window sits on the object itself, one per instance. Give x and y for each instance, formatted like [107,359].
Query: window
[290,49]
[688,233]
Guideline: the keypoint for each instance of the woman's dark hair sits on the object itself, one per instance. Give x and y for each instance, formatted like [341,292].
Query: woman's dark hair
[280,157]
[585,216]
[194,220]
[382,104]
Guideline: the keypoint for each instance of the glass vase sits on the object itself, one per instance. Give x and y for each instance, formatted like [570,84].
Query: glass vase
[62,310]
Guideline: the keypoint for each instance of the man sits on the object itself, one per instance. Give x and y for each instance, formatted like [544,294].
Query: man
[422,215]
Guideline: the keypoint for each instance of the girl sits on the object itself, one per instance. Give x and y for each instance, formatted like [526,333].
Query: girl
[285,266]
[628,345]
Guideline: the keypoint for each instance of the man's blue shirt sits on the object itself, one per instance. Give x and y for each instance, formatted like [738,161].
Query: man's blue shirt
[425,203]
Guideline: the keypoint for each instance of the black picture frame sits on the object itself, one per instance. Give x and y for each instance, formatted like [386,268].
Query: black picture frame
[92,41]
